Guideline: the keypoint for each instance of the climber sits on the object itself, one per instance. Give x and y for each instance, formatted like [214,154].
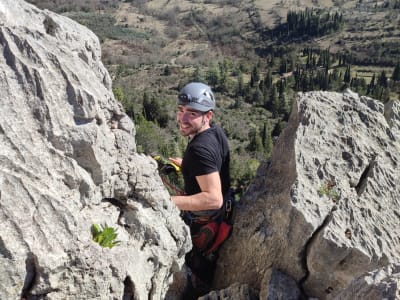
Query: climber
[205,170]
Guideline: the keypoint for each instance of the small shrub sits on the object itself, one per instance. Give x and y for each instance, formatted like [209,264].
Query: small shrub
[330,191]
[105,236]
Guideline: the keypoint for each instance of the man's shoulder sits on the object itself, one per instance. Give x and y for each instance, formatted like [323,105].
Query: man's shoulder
[217,130]
[216,127]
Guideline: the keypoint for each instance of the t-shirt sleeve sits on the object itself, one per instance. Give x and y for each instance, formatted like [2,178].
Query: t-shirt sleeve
[206,161]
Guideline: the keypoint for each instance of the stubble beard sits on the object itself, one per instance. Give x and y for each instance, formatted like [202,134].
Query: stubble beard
[189,131]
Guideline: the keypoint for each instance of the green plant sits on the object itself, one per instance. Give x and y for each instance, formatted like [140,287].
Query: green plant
[105,236]
[330,191]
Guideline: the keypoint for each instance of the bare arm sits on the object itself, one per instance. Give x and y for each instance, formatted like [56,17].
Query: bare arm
[210,196]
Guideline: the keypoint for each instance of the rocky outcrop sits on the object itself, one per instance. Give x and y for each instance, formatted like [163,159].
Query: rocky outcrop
[378,284]
[326,209]
[321,218]
[68,160]
[234,292]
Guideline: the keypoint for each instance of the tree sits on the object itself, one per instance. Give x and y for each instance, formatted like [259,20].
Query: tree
[167,71]
[279,126]
[358,85]
[268,80]
[255,141]
[257,97]
[153,111]
[274,101]
[371,85]
[283,68]
[267,139]
[223,75]
[396,73]
[212,77]
[240,85]
[347,75]
[255,76]
[382,80]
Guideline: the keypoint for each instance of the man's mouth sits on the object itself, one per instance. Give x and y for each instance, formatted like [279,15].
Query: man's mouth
[184,127]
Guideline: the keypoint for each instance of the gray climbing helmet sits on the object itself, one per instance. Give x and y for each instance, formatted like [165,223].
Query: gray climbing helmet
[198,96]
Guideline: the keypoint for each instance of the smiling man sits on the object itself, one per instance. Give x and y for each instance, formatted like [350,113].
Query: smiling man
[205,169]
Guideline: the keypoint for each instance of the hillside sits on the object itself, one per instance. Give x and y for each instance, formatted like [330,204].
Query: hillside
[248,51]
[172,31]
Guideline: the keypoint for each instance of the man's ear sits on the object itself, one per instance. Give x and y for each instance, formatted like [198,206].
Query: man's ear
[210,114]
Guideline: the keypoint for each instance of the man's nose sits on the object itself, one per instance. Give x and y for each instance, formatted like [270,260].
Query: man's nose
[183,117]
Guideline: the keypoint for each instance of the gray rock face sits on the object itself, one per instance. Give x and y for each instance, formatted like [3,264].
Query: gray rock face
[383,283]
[277,285]
[234,292]
[326,209]
[67,160]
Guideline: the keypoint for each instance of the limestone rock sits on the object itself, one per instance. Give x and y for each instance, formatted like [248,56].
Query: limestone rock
[383,283]
[67,160]
[234,292]
[326,208]
[277,285]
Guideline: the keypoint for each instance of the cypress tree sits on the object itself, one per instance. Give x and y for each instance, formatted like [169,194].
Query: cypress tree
[347,75]
[283,66]
[268,80]
[167,71]
[267,138]
[382,80]
[274,101]
[240,85]
[396,73]
[371,85]
[255,76]
[223,76]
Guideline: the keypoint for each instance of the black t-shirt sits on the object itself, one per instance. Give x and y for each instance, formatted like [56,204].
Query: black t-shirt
[207,152]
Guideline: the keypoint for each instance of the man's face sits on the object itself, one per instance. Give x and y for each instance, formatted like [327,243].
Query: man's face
[190,121]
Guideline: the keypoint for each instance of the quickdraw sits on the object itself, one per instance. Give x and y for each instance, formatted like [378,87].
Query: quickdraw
[170,174]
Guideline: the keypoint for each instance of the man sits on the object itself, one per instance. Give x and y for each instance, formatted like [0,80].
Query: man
[205,169]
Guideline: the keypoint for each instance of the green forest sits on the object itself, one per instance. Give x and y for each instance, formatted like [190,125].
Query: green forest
[255,76]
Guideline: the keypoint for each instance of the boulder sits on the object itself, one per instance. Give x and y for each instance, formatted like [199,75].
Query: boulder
[68,160]
[326,208]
